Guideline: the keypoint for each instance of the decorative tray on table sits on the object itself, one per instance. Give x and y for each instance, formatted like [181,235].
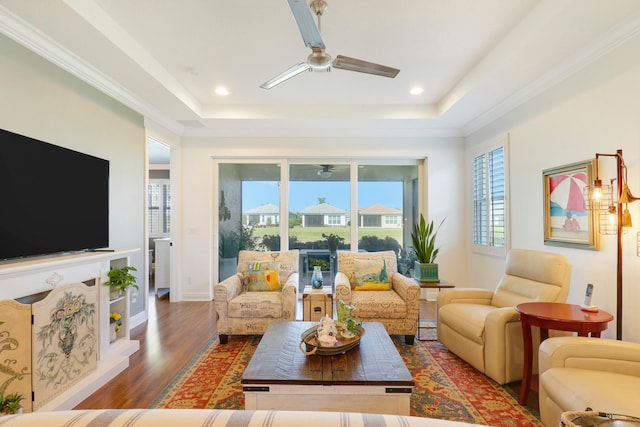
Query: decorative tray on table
[342,345]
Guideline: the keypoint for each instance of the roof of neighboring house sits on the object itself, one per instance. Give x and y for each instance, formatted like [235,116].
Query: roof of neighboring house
[379,210]
[323,208]
[268,208]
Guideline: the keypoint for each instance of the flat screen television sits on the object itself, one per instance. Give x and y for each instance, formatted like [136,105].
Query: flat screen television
[52,199]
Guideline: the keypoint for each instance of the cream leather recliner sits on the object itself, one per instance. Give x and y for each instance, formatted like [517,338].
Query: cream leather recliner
[577,373]
[482,326]
[243,312]
[397,309]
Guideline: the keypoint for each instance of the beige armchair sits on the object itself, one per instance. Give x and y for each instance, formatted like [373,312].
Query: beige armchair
[397,309]
[245,312]
[482,326]
[577,373]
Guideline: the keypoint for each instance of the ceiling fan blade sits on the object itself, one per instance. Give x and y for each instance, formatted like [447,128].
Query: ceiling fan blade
[353,64]
[308,28]
[286,75]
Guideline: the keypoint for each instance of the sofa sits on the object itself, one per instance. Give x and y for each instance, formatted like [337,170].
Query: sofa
[397,309]
[242,311]
[216,418]
[482,326]
[577,373]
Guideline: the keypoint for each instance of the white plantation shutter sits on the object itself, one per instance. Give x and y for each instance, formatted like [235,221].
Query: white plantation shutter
[489,198]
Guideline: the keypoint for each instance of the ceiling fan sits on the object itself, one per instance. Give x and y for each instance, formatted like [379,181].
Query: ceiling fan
[326,171]
[319,60]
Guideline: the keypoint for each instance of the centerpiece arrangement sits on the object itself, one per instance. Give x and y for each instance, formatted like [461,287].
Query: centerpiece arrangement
[331,336]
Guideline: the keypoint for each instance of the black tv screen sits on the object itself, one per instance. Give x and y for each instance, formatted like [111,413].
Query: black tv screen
[52,199]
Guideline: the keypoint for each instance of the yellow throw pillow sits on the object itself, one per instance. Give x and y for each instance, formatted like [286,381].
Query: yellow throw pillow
[371,275]
[264,276]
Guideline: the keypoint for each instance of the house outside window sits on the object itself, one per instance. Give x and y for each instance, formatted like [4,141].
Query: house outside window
[489,188]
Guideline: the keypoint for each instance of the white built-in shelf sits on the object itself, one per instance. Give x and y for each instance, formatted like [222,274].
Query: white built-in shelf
[34,276]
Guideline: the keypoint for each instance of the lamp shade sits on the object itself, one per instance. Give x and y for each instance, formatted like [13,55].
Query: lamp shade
[609,221]
[597,196]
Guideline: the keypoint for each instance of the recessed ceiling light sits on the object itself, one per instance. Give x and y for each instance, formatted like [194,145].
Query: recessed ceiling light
[416,90]
[222,91]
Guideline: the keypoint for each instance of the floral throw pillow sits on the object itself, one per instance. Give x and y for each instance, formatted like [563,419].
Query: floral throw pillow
[264,276]
[371,275]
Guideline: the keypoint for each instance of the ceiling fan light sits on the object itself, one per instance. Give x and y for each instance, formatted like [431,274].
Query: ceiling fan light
[324,173]
[222,91]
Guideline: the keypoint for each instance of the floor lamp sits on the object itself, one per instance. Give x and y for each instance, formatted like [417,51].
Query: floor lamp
[598,197]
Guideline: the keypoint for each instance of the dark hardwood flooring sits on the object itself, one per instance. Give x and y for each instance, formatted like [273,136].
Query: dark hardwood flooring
[174,334]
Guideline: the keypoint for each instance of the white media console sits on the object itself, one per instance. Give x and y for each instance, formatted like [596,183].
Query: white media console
[28,280]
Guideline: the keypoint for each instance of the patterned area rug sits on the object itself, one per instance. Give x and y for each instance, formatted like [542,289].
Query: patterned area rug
[446,387]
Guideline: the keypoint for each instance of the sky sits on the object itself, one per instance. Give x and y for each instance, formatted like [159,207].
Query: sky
[305,193]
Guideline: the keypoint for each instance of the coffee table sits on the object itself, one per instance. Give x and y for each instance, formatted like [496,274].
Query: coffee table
[370,378]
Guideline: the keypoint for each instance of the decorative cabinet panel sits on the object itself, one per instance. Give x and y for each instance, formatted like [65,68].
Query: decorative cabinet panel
[65,340]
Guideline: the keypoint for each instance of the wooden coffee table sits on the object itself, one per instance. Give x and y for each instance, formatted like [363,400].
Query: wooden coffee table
[370,378]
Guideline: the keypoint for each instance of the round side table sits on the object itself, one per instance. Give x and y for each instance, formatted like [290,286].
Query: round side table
[557,316]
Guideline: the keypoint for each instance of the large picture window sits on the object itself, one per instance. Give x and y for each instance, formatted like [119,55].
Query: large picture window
[316,208]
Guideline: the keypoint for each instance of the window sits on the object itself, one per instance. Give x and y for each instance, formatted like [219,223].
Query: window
[277,204]
[334,220]
[159,206]
[387,199]
[391,221]
[489,199]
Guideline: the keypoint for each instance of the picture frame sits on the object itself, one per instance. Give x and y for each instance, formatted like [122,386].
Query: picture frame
[567,221]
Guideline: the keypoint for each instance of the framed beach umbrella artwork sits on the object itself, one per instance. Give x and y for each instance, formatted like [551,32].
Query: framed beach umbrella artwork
[567,221]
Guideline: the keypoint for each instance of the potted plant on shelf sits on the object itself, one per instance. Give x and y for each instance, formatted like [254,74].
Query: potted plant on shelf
[424,246]
[120,279]
[115,324]
[10,404]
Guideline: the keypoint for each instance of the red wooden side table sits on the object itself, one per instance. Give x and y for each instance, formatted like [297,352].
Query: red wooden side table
[557,316]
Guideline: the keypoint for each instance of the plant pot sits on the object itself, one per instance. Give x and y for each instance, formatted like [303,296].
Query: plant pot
[425,272]
[113,335]
[115,294]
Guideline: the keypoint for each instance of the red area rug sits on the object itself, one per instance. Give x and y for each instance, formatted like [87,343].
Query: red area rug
[446,387]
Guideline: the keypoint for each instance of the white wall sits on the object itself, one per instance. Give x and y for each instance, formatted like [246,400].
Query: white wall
[596,110]
[445,173]
[41,101]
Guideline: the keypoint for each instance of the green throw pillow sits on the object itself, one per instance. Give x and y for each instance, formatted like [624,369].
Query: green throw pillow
[371,275]
[264,276]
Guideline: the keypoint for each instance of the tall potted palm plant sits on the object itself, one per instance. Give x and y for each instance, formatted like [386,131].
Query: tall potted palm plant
[423,238]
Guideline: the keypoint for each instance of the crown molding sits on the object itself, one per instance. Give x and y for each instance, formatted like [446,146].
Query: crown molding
[587,55]
[25,34]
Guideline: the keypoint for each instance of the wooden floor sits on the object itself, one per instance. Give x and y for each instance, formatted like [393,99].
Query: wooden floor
[173,335]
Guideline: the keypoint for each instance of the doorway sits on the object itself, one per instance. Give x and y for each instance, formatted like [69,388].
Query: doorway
[159,217]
